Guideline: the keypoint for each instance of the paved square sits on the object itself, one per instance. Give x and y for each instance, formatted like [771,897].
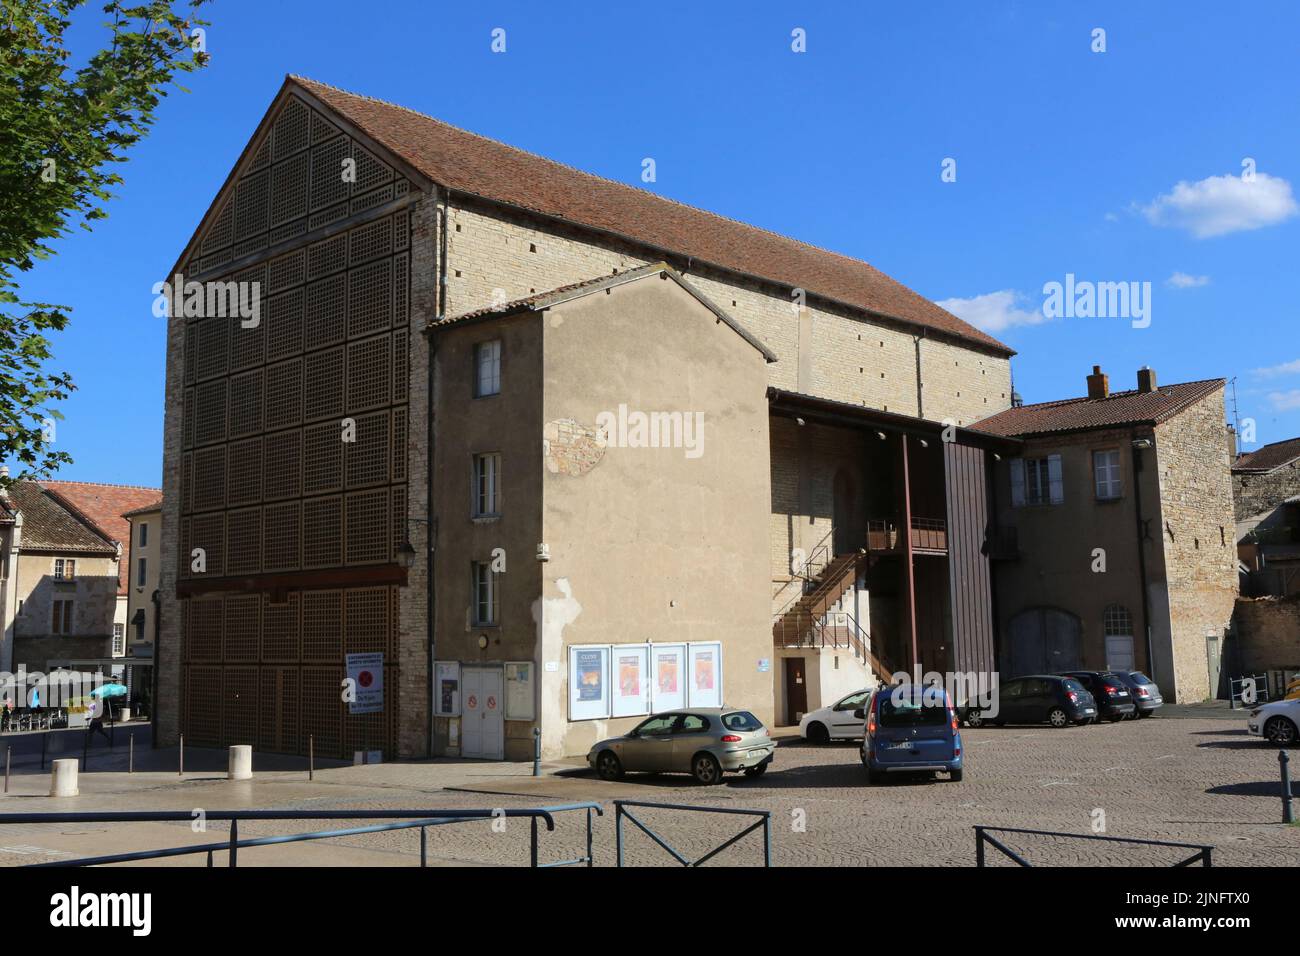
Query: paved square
[1194,780]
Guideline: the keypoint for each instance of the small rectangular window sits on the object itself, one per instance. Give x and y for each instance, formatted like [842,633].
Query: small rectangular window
[144,535]
[65,569]
[487,474]
[140,573]
[61,617]
[1036,481]
[1106,474]
[119,640]
[484,582]
[487,368]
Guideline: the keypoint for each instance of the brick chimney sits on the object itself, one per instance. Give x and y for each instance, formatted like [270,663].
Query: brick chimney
[1146,379]
[1098,383]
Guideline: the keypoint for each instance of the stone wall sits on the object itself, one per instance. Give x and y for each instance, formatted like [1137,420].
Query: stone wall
[1267,634]
[841,355]
[1200,553]
[1255,494]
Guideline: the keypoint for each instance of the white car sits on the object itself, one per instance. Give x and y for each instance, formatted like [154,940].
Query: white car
[835,722]
[1278,722]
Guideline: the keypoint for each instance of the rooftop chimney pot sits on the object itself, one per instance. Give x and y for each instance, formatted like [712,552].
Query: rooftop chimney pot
[1098,383]
[1146,379]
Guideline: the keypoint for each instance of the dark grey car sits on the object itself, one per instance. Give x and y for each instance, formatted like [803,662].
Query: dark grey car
[705,742]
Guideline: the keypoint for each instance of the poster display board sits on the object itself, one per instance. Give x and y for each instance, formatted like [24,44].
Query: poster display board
[705,675]
[366,677]
[519,690]
[589,692]
[446,688]
[631,688]
[669,668]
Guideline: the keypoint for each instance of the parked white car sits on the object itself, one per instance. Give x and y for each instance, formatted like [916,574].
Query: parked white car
[835,722]
[1278,722]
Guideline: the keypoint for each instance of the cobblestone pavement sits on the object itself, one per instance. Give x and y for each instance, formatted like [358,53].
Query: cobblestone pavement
[1189,780]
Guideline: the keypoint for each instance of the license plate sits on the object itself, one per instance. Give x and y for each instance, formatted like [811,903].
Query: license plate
[1088,710]
[902,746]
[758,753]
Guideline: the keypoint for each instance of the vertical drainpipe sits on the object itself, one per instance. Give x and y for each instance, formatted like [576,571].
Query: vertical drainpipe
[429,529]
[920,398]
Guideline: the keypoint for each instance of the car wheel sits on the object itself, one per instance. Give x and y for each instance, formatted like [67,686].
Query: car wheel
[1145,713]
[818,734]
[954,776]
[1279,730]
[756,771]
[974,719]
[705,769]
[609,766]
[1057,717]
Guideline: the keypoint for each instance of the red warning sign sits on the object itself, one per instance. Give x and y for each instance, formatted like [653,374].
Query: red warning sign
[473,702]
[492,703]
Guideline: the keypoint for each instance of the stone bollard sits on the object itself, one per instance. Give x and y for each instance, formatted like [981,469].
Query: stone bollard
[63,778]
[241,762]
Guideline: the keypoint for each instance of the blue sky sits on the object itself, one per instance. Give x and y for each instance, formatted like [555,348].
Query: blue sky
[1068,161]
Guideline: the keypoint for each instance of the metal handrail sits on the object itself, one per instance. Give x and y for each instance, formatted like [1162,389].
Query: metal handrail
[409,819]
[1203,854]
[811,631]
[620,812]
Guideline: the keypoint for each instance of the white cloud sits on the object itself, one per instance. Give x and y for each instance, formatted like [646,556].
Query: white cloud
[1285,401]
[1277,371]
[1181,280]
[1218,205]
[994,311]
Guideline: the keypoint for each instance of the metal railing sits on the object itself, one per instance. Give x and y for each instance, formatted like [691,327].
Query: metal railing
[826,630]
[928,534]
[982,837]
[1247,691]
[405,820]
[621,812]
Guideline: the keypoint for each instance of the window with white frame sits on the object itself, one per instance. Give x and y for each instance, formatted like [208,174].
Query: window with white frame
[1106,474]
[487,368]
[119,640]
[65,569]
[1036,481]
[487,474]
[486,611]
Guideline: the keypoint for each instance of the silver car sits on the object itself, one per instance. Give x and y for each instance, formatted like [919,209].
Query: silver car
[705,742]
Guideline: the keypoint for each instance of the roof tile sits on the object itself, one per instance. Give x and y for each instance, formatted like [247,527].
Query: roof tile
[1117,409]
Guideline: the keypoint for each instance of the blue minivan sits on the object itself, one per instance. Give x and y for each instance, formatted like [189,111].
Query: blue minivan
[911,729]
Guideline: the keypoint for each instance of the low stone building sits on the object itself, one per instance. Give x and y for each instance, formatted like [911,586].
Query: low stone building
[1118,517]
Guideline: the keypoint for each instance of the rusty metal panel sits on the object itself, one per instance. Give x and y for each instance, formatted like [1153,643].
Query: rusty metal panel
[969,574]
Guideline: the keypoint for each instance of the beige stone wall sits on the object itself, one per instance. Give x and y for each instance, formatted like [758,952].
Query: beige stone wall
[843,356]
[94,595]
[651,544]
[1256,494]
[1267,634]
[509,424]
[1200,553]
[1057,544]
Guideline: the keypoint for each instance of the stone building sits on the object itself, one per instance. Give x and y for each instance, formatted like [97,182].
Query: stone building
[60,587]
[1117,516]
[1266,493]
[442,320]
[144,533]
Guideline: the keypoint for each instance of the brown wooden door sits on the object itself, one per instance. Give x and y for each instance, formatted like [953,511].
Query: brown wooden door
[796,690]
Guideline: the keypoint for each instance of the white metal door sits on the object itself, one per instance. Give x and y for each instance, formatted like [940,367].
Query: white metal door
[482,729]
[1119,653]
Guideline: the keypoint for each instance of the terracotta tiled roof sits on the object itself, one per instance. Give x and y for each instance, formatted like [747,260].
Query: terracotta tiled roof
[104,506]
[1270,456]
[1081,414]
[146,509]
[49,525]
[471,164]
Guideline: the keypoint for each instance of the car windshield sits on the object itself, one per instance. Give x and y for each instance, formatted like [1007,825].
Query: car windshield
[741,720]
[1139,678]
[909,708]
